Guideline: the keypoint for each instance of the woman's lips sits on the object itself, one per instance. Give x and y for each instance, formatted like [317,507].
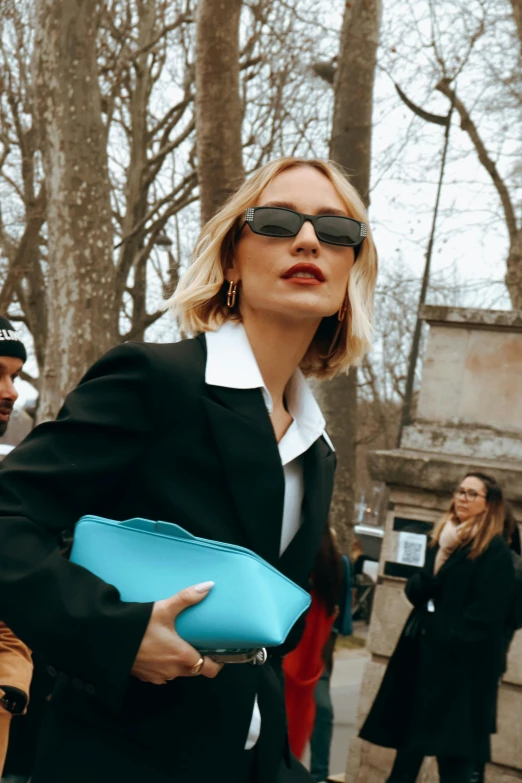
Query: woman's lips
[304,274]
[303,280]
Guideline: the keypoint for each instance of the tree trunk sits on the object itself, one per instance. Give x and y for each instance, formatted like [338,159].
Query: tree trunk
[338,399]
[513,276]
[350,146]
[517,13]
[136,191]
[351,138]
[218,107]
[82,315]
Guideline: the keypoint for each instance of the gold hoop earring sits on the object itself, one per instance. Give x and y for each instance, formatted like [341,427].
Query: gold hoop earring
[232,294]
[341,315]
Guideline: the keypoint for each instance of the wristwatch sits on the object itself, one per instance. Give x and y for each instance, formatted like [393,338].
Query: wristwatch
[13,700]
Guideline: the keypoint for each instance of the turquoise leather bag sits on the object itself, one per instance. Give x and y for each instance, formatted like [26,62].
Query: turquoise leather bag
[252,604]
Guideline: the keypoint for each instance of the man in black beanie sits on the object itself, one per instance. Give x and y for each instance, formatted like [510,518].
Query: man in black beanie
[16,666]
[12,359]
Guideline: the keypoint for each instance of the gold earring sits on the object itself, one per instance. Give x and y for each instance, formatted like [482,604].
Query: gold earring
[341,315]
[231,295]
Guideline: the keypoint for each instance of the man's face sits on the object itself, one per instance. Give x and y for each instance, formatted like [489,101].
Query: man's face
[9,370]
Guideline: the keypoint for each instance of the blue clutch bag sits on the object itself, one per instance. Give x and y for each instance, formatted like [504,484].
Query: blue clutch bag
[252,604]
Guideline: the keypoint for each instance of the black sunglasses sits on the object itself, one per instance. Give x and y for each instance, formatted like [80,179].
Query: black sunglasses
[282,222]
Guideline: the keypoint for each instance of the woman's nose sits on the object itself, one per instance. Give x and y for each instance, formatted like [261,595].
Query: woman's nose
[306,240]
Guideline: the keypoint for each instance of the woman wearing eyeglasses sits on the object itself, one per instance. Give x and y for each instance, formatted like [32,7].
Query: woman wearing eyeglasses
[439,693]
[219,434]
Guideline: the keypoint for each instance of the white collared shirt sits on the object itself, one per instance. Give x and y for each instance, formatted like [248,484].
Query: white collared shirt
[231,363]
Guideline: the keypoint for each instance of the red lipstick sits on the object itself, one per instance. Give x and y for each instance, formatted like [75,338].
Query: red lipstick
[304,274]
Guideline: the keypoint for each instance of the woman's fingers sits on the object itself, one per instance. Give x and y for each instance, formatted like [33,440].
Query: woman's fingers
[163,655]
[210,668]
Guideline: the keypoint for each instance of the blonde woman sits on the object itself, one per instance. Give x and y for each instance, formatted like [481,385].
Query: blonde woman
[219,434]
[438,697]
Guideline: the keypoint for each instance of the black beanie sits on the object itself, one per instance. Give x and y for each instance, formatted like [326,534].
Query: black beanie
[10,343]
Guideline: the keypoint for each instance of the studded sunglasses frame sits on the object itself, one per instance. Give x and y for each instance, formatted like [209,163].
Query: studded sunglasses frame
[363,228]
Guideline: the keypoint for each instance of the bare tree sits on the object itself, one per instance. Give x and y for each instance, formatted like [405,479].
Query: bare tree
[514,225]
[218,108]
[81,318]
[470,51]
[151,140]
[351,137]
[23,210]
[351,147]
[149,184]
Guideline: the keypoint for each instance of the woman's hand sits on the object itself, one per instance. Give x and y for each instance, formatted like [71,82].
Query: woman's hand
[421,587]
[163,655]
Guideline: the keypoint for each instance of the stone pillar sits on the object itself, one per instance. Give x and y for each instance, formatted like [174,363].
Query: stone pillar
[469,417]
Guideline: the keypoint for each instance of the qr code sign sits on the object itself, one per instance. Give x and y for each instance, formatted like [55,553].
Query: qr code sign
[412,549]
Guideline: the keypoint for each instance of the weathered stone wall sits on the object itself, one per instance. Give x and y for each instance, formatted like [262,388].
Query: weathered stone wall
[469,417]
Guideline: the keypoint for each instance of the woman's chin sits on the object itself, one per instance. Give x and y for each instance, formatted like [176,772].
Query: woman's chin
[291,311]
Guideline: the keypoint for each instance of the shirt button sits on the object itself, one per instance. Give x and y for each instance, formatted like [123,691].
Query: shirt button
[51,671]
[90,689]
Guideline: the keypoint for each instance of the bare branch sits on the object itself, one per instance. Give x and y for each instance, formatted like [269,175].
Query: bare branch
[140,327]
[467,125]
[183,19]
[35,382]
[21,257]
[437,119]
[164,151]
[188,182]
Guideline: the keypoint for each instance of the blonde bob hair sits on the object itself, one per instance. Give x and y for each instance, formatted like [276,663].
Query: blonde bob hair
[199,302]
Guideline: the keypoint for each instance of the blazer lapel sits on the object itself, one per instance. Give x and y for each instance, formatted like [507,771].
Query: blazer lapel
[298,558]
[246,442]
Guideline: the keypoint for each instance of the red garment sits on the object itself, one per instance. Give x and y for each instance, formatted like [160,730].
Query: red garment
[303,668]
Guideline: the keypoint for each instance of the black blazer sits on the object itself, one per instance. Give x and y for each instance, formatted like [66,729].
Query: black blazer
[144,435]
[439,692]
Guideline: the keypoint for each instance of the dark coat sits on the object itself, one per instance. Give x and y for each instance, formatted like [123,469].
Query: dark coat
[439,691]
[144,435]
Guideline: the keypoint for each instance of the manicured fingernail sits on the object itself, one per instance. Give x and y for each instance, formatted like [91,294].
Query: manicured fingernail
[204,587]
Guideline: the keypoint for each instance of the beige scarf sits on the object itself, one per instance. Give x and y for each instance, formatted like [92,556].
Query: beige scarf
[451,538]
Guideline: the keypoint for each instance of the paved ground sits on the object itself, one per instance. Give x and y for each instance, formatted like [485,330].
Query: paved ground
[346,683]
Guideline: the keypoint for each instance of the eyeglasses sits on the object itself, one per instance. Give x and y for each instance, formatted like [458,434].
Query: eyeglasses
[467,494]
[332,229]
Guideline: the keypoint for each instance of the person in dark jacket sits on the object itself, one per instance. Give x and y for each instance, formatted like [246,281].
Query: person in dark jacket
[439,694]
[512,538]
[514,618]
[16,666]
[511,529]
[219,434]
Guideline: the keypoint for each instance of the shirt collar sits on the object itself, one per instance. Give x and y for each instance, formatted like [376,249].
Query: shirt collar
[231,363]
[230,359]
